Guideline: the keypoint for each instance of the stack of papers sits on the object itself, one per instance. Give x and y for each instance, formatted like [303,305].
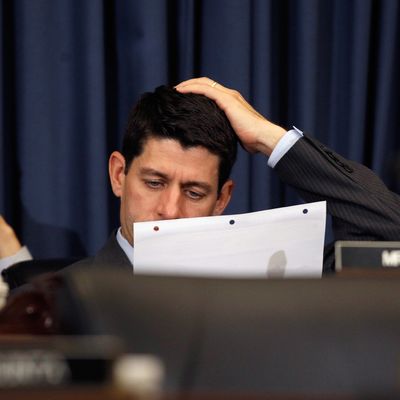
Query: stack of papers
[282,242]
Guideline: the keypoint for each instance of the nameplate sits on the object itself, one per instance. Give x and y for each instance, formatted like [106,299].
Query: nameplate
[27,362]
[366,254]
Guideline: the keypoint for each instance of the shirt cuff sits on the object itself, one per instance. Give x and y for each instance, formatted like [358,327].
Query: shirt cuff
[22,254]
[284,145]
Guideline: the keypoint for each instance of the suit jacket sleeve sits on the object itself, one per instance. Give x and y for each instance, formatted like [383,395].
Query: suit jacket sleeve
[361,206]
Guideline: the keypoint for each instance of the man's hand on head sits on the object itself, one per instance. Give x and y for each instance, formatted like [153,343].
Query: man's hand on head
[255,132]
[9,243]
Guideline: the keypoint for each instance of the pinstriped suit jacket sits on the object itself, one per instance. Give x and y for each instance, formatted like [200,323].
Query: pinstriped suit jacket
[361,206]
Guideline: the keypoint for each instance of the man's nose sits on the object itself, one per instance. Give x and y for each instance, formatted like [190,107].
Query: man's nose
[170,204]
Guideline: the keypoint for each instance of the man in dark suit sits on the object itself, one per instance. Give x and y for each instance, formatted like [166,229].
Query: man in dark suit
[172,166]
[178,151]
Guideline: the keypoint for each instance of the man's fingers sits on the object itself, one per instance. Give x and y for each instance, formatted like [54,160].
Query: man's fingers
[212,89]
[194,84]
[216,93]
[200,81]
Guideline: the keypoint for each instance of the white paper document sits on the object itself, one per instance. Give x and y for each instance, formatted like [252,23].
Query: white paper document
[282,242]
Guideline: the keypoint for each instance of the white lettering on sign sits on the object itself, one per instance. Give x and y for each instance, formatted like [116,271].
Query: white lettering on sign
[391,258]
[32,367]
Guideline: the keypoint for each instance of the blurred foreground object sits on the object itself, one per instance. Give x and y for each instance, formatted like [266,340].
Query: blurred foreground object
[335,336]
[289,336]
[76,367]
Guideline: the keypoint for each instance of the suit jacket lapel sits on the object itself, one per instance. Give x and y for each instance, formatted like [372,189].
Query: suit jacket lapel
[111,254]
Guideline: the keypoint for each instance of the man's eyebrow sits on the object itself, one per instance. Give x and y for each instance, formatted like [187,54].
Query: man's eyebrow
[153,172]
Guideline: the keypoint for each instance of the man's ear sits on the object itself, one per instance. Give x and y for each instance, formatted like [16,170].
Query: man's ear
[224,197]
[116,170]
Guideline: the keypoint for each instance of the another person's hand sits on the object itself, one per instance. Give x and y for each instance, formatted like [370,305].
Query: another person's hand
[9,243]
[255,132]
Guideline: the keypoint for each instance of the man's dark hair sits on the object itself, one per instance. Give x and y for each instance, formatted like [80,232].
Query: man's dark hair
[191,119]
